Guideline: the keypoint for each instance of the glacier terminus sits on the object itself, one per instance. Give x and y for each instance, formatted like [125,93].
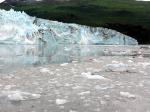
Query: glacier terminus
[19,28]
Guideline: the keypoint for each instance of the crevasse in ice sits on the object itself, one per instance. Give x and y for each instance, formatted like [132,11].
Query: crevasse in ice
[20,28]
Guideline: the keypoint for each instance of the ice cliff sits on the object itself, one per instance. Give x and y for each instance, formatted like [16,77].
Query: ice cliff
[20,28]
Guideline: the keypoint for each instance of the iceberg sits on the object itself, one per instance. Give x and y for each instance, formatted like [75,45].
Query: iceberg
[19,28]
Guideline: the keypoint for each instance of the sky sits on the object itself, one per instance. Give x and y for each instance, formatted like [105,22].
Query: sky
[142,0]
[2,1]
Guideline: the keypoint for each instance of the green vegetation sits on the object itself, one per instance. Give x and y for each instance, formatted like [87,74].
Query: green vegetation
[127,16]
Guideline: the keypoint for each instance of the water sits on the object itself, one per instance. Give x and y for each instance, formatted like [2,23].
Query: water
[16,56]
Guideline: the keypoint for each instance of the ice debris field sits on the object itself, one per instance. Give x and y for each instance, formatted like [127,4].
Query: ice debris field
[107,84]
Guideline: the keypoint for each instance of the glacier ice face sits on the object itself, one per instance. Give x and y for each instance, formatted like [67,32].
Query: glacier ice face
[79,34]
[20,28]
[17,27]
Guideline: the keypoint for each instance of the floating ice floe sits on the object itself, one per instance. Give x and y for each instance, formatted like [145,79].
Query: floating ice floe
[61,101]
[143,64]
[72,111]
[120,53]
[103,87]
[20,28]
[44,70]
[19,95]
[127,94]
[90,76]
[84,93]
[130,61]
[117,67]
[8,87]
[64,64]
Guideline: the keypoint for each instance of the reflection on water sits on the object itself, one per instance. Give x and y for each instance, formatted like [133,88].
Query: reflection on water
[22,55]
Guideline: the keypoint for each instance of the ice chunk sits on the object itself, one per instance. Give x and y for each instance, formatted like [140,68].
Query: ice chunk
[44,70]
[72,111]
[64,64]
[130,61]
[19,95]
[20,28]
[84,93]
[103,87]
[7,87]
[144,64]
[61,101]
[117,67]
[90,76]
[127,94]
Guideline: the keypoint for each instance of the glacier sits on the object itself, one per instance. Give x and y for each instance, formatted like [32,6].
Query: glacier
[19,28]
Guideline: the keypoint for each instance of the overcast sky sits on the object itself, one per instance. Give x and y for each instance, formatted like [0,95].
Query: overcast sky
[1,1]
[142,0]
